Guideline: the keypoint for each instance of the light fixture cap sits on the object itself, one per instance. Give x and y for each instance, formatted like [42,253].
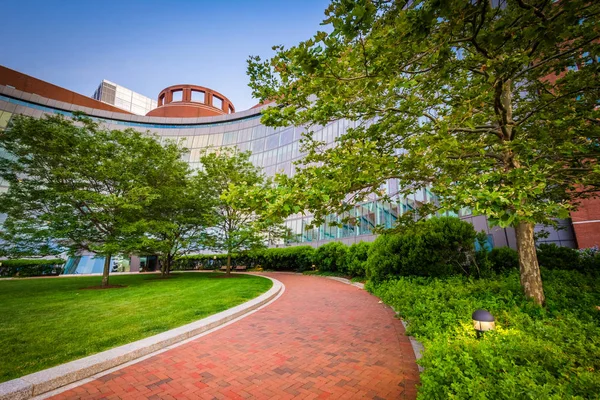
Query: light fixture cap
[483,316]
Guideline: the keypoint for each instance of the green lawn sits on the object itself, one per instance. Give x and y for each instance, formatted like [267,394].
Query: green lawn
[46,322]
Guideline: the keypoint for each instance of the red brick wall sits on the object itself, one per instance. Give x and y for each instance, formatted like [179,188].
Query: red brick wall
[586,223]
[184,110]
[186,107]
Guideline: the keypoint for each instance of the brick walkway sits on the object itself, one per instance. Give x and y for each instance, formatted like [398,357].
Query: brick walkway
[321,339]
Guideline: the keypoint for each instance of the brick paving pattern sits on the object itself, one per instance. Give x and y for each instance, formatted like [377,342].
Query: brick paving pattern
[321,339]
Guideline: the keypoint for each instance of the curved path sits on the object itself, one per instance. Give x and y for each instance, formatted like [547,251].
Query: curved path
[320,339]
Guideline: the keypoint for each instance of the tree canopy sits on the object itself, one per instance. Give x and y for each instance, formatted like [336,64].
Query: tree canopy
[240,222]
[491,104]
[79,186]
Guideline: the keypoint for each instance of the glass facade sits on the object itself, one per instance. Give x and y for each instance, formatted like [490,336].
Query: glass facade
[275,150]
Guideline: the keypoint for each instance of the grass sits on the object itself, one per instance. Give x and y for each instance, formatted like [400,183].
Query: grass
[47,322]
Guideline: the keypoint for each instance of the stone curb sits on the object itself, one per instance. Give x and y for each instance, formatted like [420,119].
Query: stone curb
[49,379]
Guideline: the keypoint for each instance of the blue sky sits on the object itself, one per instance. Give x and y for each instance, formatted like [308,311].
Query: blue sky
[149,45]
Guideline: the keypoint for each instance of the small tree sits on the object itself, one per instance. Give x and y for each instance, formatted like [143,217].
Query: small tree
[77,185]
[175,223]
[491,104]
[238,215]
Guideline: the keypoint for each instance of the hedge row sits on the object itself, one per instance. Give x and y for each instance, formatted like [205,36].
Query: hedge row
[24,267]
[331,257]
[437,247]
[298,258]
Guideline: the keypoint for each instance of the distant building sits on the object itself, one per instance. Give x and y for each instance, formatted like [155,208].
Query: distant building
[123,98]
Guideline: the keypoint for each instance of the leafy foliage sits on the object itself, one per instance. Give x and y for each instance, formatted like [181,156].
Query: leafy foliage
[504,259]
[552,256]
[79,186]
[492,105]
[331,257]
[177,222]
[31,267]
[239,187]
[298,258]
[551,353]
[589,259]
[435,247]
[356,259]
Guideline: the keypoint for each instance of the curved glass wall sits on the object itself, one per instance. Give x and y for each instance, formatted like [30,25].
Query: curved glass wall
[275,150]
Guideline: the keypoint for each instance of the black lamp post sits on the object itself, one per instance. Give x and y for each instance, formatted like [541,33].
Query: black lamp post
[483,321]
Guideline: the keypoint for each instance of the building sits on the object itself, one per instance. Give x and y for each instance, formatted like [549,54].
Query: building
[123,98]
[198,117]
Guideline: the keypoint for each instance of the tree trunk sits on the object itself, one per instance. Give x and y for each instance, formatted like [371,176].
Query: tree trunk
[531,280]
[106,271]
[163,264]
[168,266]
[165,267]
[228,264]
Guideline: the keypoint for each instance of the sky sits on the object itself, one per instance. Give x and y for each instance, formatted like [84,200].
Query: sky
[147,45]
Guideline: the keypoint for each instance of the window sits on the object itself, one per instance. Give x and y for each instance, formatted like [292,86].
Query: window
[161,100]
[178,95]
[217,102]
[272,142]
[198,96]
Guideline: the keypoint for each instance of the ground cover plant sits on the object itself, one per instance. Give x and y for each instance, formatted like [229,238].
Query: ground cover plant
[534,353]
[46,322]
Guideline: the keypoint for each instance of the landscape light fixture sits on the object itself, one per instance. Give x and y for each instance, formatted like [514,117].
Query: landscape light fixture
[483,321]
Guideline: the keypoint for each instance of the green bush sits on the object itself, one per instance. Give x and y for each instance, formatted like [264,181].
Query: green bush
[24,267]
[356,259]
[331,257]
[436,247]
[534,353]
[299,258]
[504,259]
[589,260]
[552,256]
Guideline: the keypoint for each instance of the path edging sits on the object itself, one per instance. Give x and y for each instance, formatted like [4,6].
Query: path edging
[52,378]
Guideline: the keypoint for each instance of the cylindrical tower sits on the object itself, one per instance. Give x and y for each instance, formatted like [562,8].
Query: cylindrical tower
[189,101]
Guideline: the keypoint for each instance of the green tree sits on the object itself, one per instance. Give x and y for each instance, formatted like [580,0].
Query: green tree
[77,185]
[239,222]
[491,104]
[175,223]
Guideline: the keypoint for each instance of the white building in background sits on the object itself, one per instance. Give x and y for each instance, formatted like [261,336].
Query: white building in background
[123,98]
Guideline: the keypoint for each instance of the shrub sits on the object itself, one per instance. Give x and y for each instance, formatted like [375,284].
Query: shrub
[356,259]
[331,257]
[24,267]
[436,247]
[589,260]
[552,256]
[534,352]
[299,258]
[504,259]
